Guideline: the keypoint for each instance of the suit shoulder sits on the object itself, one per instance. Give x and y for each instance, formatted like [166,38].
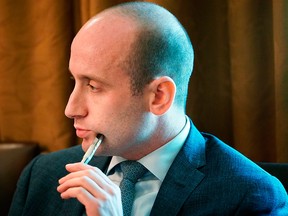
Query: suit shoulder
[68,155]
[226,162]
[55,162]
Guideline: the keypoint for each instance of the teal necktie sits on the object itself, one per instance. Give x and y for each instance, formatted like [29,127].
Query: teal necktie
[132,171]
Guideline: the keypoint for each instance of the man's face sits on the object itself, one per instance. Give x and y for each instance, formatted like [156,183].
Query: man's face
[102,101]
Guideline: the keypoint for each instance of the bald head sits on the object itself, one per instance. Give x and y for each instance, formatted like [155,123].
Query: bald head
[156,43]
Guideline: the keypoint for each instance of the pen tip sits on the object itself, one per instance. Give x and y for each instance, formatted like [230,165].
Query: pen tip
[98,136]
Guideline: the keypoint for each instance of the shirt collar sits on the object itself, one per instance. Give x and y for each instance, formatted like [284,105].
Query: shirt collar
[159,161]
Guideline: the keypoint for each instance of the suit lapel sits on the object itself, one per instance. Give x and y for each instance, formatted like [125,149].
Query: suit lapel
[182,177]
[72,207]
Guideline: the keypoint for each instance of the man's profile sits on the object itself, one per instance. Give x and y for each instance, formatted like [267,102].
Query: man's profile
[132,64]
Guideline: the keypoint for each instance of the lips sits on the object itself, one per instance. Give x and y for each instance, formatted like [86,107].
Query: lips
[82,133]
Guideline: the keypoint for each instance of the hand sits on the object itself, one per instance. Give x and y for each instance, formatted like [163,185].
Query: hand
[92,188]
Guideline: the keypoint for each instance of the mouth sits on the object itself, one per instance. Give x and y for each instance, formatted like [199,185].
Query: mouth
[85,133]
[82,133]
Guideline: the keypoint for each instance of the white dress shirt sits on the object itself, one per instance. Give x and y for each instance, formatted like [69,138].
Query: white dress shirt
[158,162]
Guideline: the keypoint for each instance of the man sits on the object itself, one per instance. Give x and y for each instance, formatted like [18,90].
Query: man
[131,65]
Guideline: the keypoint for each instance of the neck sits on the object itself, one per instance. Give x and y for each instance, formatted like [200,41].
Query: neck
[166,128]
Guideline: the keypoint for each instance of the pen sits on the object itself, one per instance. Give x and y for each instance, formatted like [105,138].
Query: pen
[92,149]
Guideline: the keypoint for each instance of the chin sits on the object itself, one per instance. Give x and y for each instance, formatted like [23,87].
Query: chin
[85,144]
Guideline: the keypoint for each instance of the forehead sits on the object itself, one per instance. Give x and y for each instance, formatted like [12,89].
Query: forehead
[100,48]
[106,34]
[104,41]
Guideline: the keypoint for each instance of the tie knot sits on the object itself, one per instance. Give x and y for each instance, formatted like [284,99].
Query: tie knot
[132,170]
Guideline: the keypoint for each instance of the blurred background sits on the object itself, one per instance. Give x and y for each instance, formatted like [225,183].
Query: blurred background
[238,91]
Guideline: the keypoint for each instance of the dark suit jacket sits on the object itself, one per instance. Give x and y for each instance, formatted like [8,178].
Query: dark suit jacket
[206,178]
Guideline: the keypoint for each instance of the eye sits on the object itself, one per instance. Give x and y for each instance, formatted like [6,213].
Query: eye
[72,80]
[93,87]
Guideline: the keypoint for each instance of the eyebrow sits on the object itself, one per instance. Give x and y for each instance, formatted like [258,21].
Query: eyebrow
[87,77]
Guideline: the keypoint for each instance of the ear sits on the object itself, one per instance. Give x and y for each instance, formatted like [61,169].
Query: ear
[163,91]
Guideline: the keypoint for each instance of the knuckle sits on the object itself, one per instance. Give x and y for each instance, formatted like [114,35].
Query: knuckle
[83,179]
[114,191]
[79,190]
[89,172]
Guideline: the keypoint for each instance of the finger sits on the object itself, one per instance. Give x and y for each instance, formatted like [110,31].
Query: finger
[80,169]
[81,166]
[76,192]
[92,205]
[87,179]
[83,183]
[75,167]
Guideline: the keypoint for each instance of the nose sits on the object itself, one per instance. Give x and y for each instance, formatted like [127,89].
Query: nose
[75,107]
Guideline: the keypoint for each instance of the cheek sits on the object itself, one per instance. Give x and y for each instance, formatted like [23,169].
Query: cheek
[117,117]
[133,123]
[107,112]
